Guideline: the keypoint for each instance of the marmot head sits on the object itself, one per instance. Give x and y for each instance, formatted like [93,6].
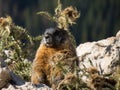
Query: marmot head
[54,37]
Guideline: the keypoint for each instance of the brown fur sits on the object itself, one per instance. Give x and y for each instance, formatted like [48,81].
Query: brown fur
[44,69]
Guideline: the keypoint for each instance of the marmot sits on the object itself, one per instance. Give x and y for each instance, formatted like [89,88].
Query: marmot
[56,44]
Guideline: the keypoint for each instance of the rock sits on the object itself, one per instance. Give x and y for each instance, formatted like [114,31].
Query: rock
[10,87]
[11,81]
[17,80]
[103,54]
[27,86]
[118,34]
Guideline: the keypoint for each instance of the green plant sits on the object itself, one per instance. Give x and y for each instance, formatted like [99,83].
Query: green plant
[15,47]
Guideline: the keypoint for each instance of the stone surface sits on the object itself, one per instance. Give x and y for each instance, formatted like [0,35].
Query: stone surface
[103,54]
[27,86]
[10,81]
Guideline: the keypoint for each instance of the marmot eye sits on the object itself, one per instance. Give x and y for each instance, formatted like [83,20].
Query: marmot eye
[47,37]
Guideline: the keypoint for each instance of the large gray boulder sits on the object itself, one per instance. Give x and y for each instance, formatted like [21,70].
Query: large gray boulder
[103,54]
